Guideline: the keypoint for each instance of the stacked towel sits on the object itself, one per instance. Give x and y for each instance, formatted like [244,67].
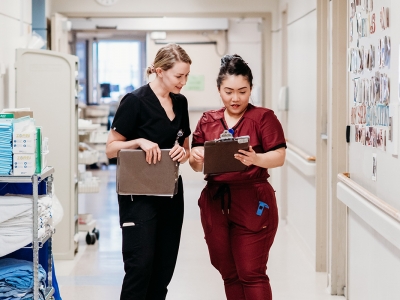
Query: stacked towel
[16,219]
[16,279]
[5,148]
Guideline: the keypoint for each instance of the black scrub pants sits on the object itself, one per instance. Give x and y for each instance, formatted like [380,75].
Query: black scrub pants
[150,244]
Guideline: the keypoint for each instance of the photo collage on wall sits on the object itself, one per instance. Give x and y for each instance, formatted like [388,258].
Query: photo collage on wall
[369,63]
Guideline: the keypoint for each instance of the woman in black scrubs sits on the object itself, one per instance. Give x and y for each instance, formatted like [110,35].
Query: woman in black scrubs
[151,118]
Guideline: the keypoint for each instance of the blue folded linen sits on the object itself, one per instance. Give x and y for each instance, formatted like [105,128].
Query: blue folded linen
[16,279]
[8,292]
[19,273]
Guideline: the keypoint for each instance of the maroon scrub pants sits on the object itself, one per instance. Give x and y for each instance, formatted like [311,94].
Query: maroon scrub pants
[238,239]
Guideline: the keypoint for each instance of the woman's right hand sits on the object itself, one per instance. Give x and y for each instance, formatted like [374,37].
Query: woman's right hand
[198,154]
[153,152]
[196,159]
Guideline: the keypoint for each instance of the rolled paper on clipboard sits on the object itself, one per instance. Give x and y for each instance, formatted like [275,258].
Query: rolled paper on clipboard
[219,154]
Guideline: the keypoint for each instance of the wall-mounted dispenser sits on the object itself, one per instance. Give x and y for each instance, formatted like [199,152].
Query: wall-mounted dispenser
[283,103]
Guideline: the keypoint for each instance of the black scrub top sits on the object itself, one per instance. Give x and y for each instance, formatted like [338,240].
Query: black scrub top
[140,115]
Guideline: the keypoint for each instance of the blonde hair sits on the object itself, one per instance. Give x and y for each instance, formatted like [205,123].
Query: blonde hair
[166,58]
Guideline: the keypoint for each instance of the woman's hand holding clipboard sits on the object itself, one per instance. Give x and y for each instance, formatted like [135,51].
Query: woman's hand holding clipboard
[219,155]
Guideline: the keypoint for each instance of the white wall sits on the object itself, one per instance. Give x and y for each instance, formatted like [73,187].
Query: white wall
[15,28]
[302,46]
[300,120]
[373,262]
[245,40]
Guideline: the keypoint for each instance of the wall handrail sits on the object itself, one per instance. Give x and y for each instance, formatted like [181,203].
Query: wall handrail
[300,152]
[300,160]
[381,204]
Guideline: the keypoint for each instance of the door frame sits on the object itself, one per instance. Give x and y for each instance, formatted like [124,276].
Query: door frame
[322,234]
[332,150]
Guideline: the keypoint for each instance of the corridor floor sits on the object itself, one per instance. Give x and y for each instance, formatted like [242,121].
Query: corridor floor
[97,270]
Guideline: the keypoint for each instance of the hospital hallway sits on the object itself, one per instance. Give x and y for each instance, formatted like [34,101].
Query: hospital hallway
[96,272]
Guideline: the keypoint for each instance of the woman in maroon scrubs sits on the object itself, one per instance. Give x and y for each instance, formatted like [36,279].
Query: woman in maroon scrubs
[238,209]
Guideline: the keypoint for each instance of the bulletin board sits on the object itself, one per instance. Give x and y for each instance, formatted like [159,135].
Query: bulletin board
[373,96]
[369,59]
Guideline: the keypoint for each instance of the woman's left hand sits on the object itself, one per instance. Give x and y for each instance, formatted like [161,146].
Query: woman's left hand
[247,157]
[177,153]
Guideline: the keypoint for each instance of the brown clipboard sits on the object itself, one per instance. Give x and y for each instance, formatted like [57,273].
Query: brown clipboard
[219,155]
[136,177]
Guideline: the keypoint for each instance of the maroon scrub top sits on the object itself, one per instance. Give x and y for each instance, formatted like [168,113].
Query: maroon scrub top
[261,124]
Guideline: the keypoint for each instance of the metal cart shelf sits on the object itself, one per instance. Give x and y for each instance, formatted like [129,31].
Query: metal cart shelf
[37,242]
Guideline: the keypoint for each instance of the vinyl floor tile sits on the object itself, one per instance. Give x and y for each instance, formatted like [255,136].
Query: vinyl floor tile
[97,270]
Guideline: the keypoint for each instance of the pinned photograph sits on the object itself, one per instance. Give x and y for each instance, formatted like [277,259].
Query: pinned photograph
[372,26]
[365,57]
[355,60]
[362,141]
[379,115]
[364,27]
[374,137]
[384,89]
[355,87]
[366,99]
[361,62]
[377,87]
[363,109]
[374,166]
[372,57]
[368,137]
[387,51]
[360,127]
[379,55]
[372,117]
[381,140]
[352,9]
[384,17]
[369,5]
[356,131]
[359,24]
[387,116]
[353,115]
[382,48]
[359,114]
[378,139]
[360,92]
[371,91]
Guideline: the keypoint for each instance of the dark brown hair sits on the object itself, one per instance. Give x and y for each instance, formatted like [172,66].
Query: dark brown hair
[234,65]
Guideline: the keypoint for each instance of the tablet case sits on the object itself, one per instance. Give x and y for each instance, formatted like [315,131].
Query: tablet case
[136,177]
[219,155]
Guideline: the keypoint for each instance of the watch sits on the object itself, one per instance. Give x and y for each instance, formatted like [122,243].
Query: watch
[107,2]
